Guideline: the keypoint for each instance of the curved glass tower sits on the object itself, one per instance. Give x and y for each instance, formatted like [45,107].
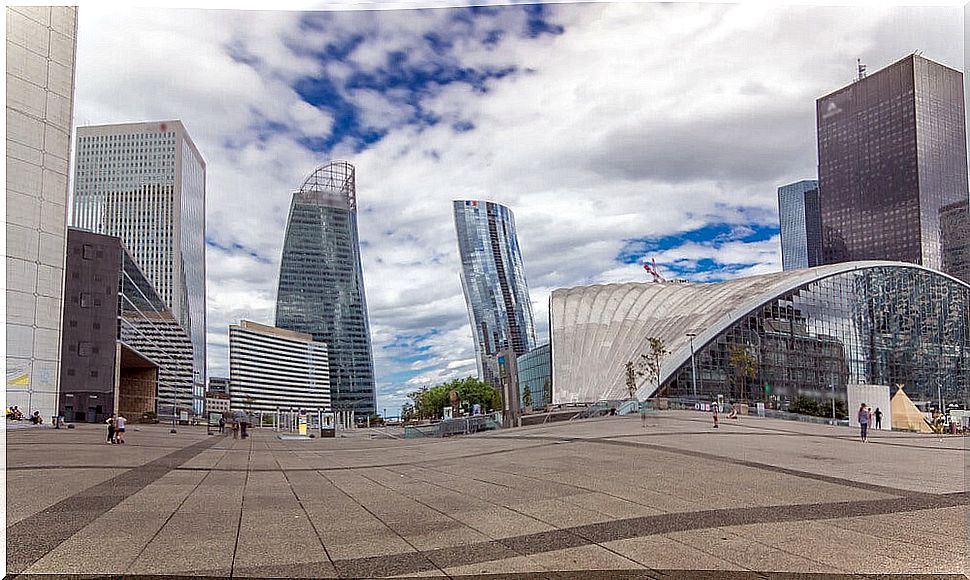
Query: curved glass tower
[321,288]
[493,279]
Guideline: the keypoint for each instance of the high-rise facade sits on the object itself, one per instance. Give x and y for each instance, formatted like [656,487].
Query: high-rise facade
[321,285]
[892,151]
[493,280]
[271,369]
[801,225]
[145,183]
[40,47]
[955,235]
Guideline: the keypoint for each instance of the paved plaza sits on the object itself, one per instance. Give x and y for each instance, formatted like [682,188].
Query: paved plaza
[612,495]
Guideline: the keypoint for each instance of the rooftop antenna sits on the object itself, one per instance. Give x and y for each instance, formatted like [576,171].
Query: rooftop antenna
[862,68]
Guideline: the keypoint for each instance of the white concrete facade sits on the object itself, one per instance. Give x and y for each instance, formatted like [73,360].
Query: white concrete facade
[40,46]
[271,368]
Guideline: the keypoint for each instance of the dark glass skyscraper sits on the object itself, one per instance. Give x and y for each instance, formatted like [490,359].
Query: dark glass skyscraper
[493,280]
[955,234]
[801,225]
[321,289]
[892,151]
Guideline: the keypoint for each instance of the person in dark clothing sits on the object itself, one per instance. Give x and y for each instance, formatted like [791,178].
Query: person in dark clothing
[222,424]
[878,418]
[111,429]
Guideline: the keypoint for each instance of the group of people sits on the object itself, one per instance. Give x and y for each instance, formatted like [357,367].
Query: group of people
[868,417]
[15,414]
[116,428]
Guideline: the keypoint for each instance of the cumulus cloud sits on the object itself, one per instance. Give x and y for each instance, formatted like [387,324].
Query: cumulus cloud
[597,123]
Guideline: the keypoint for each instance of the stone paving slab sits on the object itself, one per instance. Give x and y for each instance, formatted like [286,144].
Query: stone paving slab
[606,496]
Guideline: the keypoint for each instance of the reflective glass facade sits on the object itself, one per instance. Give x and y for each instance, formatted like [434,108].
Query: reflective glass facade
[955,236]
[535,376]
[493,280]
[145,183]
[801,225]
[321,286]
[892,151]
[883,325]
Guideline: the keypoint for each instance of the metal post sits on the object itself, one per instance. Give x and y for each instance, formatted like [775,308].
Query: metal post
[693,367]
[833,403]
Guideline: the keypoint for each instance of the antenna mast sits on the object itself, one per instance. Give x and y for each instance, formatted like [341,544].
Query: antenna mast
[862,68]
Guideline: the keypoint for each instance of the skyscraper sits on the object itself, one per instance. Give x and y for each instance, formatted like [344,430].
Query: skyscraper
[493,280]
[892,151]
[955,234]
[145,183]
[40,44]
[801,228]
[321,286]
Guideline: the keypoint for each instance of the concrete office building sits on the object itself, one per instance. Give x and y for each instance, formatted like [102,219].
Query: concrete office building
[275,369]
[40,48]
[494,284]
[801,225]
[219,384]
[809,332]
[120,340]
[892,151]
[321,286]
[145,183]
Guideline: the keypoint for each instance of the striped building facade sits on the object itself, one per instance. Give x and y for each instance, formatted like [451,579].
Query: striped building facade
[271,368]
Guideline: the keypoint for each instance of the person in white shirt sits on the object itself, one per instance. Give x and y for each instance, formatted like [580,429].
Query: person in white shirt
[120,428]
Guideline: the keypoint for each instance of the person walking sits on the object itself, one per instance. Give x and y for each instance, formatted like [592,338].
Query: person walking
[111,429]
[222,424]
[120,428]
[235,429]
[878,415]
[714,413]
[864,422]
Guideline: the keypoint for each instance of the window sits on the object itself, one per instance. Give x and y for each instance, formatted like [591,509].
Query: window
[84,348]
[85,299]
[87,252]
[94,374]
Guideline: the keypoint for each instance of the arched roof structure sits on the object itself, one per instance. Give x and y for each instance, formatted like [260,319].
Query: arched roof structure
[596,329]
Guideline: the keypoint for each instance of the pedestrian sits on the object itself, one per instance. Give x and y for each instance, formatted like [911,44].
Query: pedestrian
[864,422]
[120,428]
[714,413]
[235,429]
[222,424]
[111,429]
[878,415]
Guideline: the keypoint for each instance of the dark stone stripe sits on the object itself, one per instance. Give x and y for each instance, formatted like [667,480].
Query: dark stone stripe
[31,539]
[411,563]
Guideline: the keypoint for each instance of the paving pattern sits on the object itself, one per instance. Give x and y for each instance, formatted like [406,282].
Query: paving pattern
[612,497]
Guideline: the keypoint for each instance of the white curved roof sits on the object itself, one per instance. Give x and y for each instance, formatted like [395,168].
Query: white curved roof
[597,329]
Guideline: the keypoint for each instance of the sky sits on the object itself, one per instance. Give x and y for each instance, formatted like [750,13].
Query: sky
[616,133]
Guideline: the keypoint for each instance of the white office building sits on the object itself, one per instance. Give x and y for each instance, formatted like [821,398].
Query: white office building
[145,183]
[40,47]
[274,369]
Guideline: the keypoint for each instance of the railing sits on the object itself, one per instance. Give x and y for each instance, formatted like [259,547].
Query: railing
[456,426]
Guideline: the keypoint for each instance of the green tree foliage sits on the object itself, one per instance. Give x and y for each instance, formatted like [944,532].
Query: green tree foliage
[745,367]
[428,402]
[547,391]
[808,406]
[527,397]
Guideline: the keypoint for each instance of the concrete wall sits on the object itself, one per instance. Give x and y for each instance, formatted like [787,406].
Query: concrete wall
[40,45]
[875,397]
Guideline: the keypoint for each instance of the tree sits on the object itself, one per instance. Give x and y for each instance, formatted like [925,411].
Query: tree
[547,391]
[745,367]
[654,359]
[428,402]
[407,411]
[527,397]
[632,372]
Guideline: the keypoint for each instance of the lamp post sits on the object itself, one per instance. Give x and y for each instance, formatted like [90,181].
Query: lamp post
[832,386]
[693,367]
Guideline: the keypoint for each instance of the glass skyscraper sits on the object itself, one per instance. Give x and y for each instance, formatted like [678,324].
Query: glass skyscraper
[801,226]
[493,280]
[892,151]
[955,234]
[321,286]
[145,183]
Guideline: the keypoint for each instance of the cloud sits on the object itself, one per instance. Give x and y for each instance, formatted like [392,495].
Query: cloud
[597,123]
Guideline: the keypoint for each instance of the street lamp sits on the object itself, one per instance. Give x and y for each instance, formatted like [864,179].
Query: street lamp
[693,367]
[832,386]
